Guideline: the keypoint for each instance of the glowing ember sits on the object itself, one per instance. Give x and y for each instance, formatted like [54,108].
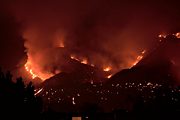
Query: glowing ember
[74,57]
[38,91]
[162,36]
[84,61]
[73,101]
[109,76]
[106,69]
[140,57]
[143,51]
[92,65]
[178,35]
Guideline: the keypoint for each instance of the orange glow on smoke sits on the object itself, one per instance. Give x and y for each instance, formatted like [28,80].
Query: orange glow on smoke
[59,40]
[139,57]
[35,72]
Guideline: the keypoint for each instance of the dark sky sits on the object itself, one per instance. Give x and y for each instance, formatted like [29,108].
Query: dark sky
[11,41]
[109,32]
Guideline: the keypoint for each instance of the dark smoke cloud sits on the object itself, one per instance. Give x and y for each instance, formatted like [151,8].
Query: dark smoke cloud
[11,41]
[106,32]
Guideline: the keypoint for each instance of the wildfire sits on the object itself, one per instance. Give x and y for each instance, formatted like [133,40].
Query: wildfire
[36,73]
[109,76]
[74,58]
[106,69]
[140,57]
[82,60]
[28,69]
[164,36]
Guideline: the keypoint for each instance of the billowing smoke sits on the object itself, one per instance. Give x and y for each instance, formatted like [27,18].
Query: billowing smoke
[106,33]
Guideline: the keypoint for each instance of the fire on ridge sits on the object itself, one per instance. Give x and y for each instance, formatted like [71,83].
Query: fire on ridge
[31,69]
[35,73]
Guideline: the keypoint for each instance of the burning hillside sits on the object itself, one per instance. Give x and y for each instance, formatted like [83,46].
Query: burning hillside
[95,34]
[104,35]
[90,56]
[154,71]
[35,72]
[160,65]
[108,70]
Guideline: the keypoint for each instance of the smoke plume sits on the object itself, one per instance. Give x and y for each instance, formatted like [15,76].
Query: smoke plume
[106,33]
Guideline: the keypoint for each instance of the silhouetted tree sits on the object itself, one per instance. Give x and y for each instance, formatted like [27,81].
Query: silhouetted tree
[17,99]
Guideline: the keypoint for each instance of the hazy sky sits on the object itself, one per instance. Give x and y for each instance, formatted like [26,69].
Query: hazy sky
[109,32]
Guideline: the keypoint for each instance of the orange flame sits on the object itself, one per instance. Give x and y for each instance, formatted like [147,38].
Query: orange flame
[36,73]
[178,35]
[82,60]
[74,57]
[28,69]
[139,57]
[162,36]
[109,76]
[106,69]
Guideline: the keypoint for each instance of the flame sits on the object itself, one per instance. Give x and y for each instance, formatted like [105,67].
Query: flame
[106,69]
[139,57]
[35,72]
[109,76]
[82,60]
[74,57]
[28,69]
